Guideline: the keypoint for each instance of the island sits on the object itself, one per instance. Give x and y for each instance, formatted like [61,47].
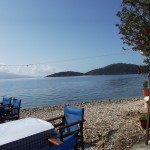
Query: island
[65,74]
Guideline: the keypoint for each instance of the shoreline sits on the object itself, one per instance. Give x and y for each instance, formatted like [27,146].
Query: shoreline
[112,123]
[80,102]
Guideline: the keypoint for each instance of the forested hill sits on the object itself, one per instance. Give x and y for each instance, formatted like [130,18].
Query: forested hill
[114,69]
[65,74]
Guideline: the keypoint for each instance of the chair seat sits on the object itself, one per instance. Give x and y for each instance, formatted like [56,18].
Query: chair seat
[56,135]
[66,145]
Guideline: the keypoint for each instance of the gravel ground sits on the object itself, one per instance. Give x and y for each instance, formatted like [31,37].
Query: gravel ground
[109,125]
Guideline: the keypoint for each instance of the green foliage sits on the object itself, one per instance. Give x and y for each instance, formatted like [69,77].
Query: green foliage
[145,84]
[143,116]
[134,27]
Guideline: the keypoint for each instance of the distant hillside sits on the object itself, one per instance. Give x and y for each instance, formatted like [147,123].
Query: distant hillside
[65,74]
[114,69]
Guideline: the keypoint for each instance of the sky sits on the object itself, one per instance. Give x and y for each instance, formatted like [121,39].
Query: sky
[42,37]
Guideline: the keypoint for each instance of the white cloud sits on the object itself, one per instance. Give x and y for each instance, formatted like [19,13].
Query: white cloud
[30,70]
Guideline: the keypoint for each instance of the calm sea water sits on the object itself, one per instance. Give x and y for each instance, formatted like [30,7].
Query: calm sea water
[62,90]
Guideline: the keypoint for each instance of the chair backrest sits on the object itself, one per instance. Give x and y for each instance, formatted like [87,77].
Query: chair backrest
[66,145]
[6,101]
[1,114]
[16,106]
[73,114]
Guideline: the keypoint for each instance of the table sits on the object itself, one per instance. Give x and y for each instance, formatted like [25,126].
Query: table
[25,134]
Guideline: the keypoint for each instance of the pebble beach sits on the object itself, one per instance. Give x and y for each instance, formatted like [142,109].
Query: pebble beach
[110,124]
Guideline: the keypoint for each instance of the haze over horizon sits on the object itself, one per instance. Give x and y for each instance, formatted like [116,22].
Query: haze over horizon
[8,75]
[39,38]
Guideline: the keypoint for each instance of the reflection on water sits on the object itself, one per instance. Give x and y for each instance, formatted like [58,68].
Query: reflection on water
[42,91]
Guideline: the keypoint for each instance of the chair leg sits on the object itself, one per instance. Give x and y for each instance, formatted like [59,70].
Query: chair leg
[82,143]
[82,138]
[81,135]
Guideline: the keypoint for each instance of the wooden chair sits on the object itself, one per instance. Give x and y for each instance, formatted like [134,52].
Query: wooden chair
[69,123]
[14,110]
[6,103]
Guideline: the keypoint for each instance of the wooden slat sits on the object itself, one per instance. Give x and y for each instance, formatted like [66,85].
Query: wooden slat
[55,118]
[54,141]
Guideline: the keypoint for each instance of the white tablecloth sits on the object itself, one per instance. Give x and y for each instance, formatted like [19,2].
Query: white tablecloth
[25,134]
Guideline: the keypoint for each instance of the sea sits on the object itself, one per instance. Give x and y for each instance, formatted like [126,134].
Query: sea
[36,92]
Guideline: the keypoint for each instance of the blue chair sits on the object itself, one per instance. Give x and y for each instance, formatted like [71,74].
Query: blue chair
[6,104]
[69,144]
[70,123]
[15,110]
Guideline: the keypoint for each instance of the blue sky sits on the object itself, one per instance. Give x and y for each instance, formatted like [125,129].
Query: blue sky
[60,35]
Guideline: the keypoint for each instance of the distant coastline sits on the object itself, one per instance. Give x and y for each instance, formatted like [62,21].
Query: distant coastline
[113,69]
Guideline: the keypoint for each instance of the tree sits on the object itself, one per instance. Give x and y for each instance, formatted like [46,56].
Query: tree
[134,26]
